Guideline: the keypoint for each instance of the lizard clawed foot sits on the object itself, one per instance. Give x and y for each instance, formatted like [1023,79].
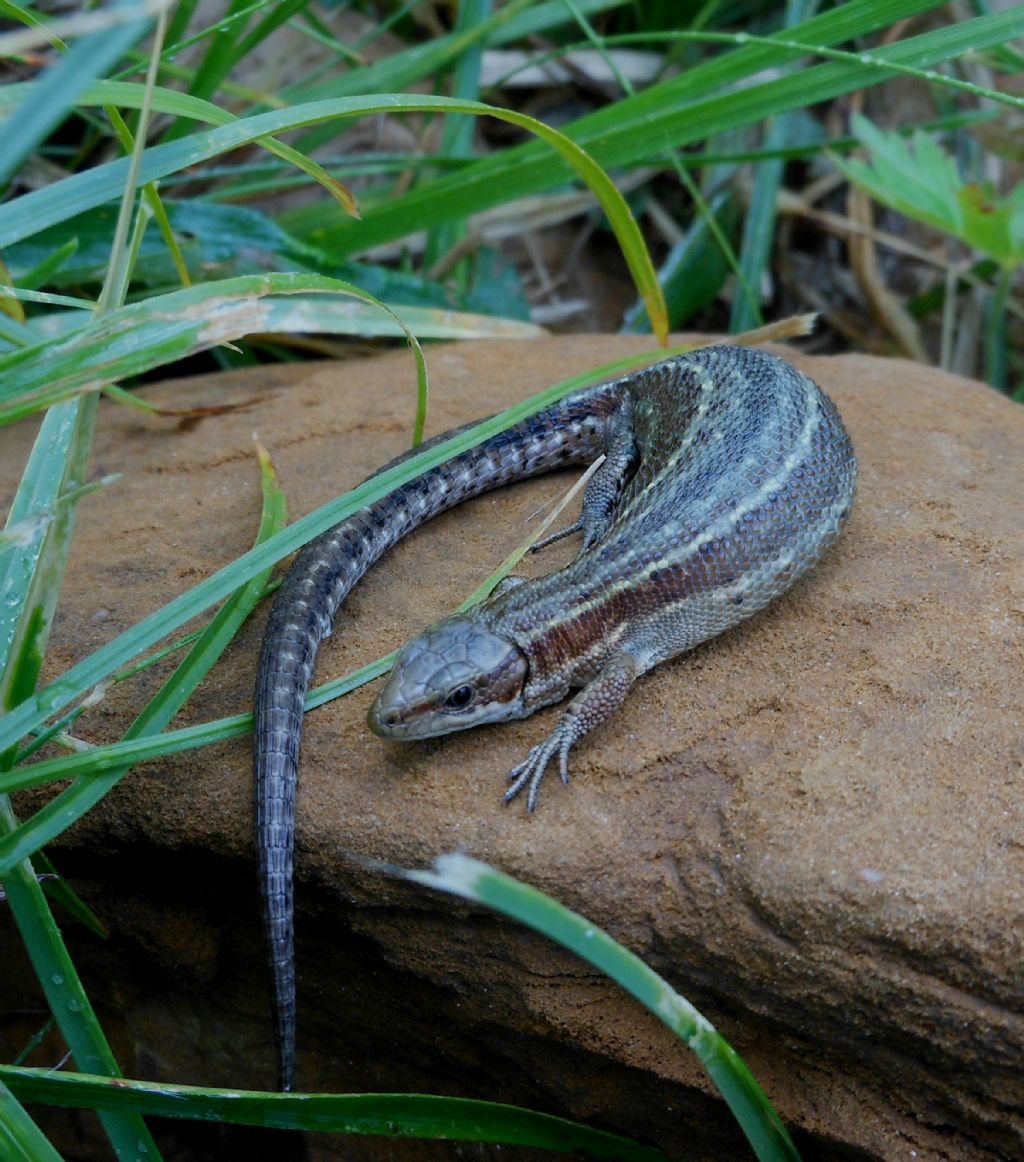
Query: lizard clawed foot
[595,702]
[531,769]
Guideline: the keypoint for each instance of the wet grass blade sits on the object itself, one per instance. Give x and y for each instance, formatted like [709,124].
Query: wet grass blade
[396,1115]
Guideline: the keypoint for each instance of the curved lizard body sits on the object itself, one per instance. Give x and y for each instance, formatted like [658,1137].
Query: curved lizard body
[727,474]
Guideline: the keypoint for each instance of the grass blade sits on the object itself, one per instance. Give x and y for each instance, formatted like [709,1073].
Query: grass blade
[391,1115]
[125,94]
[398,70]
[75,800]
[60,892]
[56,92]
[462,876]
[457,135]
[65,996]
[679,112]
[140,337]
[40,208]
[759,224]
[68,1002]
[39,525]
[695,269]
[21,1140]
[29,583]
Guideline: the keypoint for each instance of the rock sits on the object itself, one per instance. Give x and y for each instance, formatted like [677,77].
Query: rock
[811,826]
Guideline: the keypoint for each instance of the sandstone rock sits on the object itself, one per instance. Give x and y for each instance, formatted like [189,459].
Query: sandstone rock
[812,826]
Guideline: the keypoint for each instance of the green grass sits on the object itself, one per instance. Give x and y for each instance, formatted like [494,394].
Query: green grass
[109,274]
[381,1114]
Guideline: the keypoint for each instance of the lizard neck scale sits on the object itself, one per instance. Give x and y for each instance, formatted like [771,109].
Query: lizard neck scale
[727,474]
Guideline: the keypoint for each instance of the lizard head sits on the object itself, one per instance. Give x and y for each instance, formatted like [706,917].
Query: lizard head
[454,675]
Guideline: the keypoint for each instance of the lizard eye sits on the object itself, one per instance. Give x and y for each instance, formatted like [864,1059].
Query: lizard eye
[460,697]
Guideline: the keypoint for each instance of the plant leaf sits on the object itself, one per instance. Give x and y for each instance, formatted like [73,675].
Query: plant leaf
[387,1114]
[919,179]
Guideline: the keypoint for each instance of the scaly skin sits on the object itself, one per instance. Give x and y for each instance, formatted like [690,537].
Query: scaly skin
[303,612]
[727,475]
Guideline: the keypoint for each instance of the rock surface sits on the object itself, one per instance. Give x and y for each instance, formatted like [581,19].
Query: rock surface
[811,826]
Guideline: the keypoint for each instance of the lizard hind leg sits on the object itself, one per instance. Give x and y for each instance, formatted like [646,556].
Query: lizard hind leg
[607,484]
[594,703]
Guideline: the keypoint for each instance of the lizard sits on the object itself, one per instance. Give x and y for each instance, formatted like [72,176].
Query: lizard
[727,473]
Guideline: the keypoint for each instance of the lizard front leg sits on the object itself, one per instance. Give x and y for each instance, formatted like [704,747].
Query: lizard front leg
[594,703]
